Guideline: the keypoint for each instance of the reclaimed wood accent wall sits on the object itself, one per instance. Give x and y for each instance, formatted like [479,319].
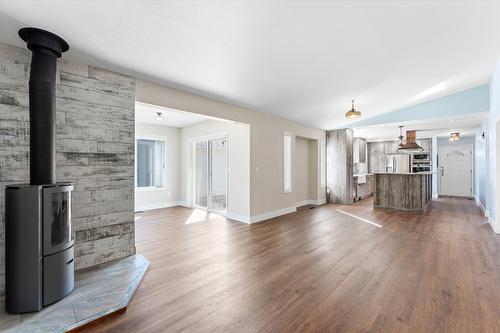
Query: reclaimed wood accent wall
[339,173]
[95,149]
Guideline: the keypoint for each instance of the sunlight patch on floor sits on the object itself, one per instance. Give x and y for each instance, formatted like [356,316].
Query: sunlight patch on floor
[359,218]
[198,215]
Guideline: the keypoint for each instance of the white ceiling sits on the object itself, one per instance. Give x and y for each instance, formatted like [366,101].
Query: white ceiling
[441,127]
[145,113]
[301,60]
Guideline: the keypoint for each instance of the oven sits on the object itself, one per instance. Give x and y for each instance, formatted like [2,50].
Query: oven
[419,157]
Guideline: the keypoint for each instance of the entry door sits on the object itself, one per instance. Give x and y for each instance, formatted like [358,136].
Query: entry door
[455,171]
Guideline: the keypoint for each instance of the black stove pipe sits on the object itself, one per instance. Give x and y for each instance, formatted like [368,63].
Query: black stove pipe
[46,47]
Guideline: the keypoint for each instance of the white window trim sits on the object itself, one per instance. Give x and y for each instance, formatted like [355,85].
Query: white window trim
[289,189]
[157,138]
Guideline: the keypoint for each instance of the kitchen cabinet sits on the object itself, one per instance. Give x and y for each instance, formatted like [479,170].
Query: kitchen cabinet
[377,162]
[339,153]
[425,144]
[390,147]
[359,150]
[376,148]
[364,190]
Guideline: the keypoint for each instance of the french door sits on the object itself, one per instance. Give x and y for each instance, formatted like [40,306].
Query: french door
[210,174]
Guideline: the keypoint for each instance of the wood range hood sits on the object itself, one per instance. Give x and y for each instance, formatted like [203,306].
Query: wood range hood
[411,141]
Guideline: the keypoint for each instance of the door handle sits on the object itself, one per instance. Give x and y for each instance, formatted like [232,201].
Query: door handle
[442,171]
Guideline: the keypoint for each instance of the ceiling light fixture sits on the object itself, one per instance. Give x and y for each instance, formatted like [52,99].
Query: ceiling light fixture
[454,136]
[352,113]
[401,137]
[159,115]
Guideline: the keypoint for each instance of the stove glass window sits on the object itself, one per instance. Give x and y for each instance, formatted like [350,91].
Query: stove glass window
[60,226]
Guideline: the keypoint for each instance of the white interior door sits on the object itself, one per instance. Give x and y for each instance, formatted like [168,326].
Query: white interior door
[455,170]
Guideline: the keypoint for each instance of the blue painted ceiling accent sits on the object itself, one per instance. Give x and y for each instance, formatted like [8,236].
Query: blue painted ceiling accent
[468,101]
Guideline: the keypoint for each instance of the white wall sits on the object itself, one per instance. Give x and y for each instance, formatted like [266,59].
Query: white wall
[238,154]
[301,170]
[481,165]
[266,143]
[170,196]
[493,147]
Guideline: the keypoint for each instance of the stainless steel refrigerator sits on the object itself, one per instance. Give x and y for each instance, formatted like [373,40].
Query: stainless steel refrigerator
[398,163]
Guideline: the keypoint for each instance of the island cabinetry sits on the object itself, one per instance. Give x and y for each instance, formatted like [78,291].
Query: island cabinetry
[410,192]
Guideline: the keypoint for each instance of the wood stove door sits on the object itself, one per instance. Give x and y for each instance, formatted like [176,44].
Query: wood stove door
[57,232]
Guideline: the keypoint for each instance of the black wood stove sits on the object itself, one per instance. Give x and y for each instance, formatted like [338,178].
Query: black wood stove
[39,241]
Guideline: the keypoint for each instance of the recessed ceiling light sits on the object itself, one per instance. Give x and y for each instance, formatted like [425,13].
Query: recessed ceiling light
[158,115]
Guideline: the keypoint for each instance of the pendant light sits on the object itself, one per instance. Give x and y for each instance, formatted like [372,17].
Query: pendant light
[401,137]
[352,113]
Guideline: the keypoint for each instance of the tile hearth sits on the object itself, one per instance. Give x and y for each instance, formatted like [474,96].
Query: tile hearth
[98,292]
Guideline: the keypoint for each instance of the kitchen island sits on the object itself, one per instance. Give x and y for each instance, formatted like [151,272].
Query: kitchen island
[411,192]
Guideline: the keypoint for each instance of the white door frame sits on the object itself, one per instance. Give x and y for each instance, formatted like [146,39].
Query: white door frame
[472,165]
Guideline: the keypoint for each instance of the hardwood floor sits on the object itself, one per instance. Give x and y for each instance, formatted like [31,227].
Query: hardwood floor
[318,270]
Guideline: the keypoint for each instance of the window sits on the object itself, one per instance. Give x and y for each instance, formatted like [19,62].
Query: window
[150,163]
[287,162]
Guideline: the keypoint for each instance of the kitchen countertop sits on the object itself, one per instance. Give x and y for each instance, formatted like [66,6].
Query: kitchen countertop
[405,173]
[362,174]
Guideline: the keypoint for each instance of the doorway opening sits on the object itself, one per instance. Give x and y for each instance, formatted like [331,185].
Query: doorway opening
[210,174]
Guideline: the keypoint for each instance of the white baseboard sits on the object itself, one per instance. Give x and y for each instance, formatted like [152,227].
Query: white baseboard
[158,205]
[270,215]
[239,218]
[492,224]
[305,203]
[310,202]
[480,206]
[321,202]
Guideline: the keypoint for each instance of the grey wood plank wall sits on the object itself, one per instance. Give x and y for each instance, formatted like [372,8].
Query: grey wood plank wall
[95,149]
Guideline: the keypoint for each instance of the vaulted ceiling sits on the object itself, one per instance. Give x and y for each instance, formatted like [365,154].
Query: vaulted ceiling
[299,60]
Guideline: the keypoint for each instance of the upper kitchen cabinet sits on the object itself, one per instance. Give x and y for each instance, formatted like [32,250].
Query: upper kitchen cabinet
[425,144]
[390,147]
[376,148]
[359,150]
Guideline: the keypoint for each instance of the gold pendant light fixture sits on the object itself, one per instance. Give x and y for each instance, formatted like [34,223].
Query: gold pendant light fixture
[352,113]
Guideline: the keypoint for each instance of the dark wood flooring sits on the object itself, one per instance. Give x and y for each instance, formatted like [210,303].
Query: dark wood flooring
[318,270]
